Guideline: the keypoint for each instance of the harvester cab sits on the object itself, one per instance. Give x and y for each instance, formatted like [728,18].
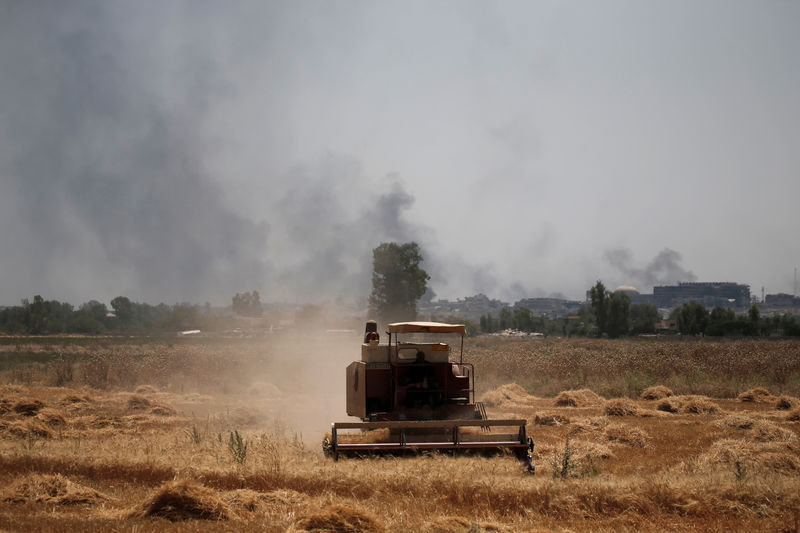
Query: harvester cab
[414,394]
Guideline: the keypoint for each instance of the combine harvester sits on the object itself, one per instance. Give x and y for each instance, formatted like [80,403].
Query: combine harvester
[410,396]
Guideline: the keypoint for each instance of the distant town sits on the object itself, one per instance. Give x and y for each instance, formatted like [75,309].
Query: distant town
[725,308]
[665,298]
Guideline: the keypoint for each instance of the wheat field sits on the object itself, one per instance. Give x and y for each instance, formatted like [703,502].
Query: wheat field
[224,433]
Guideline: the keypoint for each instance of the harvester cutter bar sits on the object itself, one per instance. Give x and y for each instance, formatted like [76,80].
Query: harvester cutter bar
[432,435]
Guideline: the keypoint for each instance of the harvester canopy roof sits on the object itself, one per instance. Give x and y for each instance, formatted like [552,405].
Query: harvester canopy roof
[427,327]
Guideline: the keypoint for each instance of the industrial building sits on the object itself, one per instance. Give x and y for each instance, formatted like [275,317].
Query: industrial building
[708,293]
[782,300]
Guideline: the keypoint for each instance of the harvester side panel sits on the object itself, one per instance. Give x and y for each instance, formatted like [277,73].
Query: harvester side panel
[357,389]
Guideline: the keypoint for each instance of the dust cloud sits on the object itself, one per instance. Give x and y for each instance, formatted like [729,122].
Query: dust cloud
[314,389]
[295,380]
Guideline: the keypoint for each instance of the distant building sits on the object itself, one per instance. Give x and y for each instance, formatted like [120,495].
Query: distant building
[469,308]
[708,293]
[634,295]
[781,300]
[473,307]
[549,307]
[630,291]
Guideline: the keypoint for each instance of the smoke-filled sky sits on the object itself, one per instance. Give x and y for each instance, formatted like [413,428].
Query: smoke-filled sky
[187,150]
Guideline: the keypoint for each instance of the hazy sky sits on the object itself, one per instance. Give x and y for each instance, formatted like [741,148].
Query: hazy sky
[183,151]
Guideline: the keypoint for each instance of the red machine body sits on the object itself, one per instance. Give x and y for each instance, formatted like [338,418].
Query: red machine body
[411,380]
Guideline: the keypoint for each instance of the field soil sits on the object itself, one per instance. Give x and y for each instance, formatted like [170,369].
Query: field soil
[224,433]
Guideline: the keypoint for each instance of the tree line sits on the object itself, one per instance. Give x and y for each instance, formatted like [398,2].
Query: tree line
[614,316]
[611,314]
[398,281]
[48,317]
[694,319]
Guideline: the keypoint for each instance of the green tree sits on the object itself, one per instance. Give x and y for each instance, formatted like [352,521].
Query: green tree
[59,315]
[184,316]
[599,296]
[692,318]
[753,320]
[523,317]
[488,323]
[579,324]
[611,310]
[720,321]
[789,325]
[37,315]
[123,309]
[12,320]
[770,325]
[398,281]
[506,318]
[97,310]
[472,327]
[643,318]
[248,304]
[89,318]
[619,306]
